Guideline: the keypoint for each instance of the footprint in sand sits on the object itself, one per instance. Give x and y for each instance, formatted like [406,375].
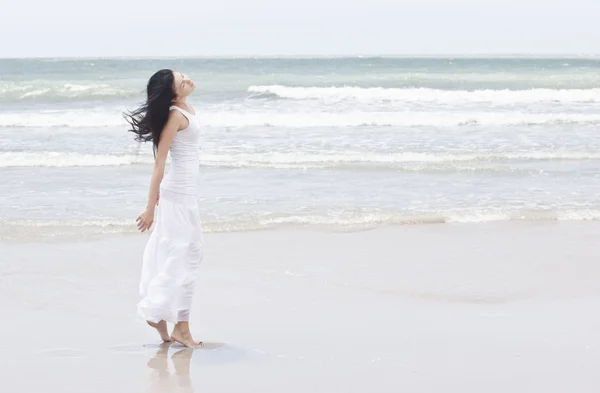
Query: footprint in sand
[137,348]
[206,345]
[64,353]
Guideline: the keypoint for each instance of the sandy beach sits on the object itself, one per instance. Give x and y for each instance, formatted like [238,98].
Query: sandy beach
[496,307]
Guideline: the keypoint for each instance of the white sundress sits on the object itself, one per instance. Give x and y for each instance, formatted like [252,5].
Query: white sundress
[175,248]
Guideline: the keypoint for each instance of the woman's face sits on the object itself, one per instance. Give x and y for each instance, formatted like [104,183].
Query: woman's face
[183,85]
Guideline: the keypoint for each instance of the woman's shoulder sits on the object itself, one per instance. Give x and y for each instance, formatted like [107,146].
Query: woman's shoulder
[178,117]
[176,112]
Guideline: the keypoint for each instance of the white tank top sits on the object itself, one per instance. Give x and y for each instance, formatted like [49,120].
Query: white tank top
[183,175]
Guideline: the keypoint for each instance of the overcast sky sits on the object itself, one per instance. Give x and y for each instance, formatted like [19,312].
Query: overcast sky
[136,28]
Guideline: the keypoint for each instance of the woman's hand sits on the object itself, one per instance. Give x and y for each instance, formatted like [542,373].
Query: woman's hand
[145,220]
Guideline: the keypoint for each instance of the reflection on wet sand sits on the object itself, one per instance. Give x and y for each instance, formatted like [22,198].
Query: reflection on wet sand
[162,380]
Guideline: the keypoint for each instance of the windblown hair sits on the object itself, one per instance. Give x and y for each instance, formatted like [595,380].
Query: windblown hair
[148,121]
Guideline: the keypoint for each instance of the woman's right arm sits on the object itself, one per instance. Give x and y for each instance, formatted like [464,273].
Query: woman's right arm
[145,220]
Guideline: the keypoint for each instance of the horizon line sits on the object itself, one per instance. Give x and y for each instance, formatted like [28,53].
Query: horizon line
[317,56]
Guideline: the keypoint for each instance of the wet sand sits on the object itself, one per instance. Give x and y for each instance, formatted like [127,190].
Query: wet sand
[500,307]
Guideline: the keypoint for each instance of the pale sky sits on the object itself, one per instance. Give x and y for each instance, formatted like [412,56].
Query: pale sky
[149,28]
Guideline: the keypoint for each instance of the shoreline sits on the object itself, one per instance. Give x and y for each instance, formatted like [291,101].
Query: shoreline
[19,231]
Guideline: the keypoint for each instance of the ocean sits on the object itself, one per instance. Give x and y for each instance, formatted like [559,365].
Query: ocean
[339,144]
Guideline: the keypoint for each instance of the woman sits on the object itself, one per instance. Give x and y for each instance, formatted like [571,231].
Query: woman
[174,250]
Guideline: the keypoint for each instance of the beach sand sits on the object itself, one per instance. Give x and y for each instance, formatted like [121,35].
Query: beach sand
[497,307]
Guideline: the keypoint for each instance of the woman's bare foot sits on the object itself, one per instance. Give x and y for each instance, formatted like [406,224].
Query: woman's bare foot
[181,334]
[162,329]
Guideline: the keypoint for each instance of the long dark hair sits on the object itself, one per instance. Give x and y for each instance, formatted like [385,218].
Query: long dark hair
[148,120]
